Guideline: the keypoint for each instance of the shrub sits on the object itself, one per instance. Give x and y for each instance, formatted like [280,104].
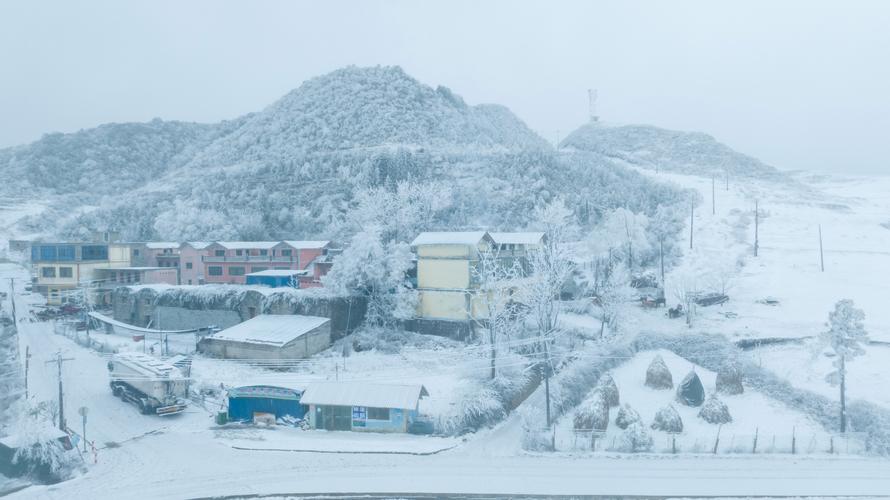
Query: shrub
[626,416]
[715,411]
[668,419]
[729,379]
[607,386]
[593,413]
[658,376]
[635,439]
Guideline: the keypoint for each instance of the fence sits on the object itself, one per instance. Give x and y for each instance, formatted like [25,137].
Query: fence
[721,443]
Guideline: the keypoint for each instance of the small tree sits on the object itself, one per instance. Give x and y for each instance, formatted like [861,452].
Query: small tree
[846,336]
[497,278]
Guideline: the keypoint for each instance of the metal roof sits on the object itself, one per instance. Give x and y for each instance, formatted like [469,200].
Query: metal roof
[450,238]
[363,394]
[271,329]
[243,245]
[307,244]
[530,238]
[155,245]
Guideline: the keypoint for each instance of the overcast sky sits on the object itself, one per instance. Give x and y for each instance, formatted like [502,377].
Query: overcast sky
[798,84]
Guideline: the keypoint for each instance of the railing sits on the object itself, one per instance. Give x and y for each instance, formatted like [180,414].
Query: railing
[248,258]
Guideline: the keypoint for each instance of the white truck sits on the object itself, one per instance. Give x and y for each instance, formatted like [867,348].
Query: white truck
[157,387]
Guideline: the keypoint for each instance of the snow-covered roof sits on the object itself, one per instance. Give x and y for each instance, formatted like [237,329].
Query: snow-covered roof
[449,238]
[158,245]
[198,245]
[149,366]
[280,272]
[363,394]
[307,244]
[532,238]
[243,245]
[271,329]
[46,434]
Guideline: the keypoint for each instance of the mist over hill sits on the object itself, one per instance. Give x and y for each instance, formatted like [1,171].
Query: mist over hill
[301,166]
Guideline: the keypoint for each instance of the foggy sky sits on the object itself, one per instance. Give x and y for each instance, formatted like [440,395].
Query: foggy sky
[800,85]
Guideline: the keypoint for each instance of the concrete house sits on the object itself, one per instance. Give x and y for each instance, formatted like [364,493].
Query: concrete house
[191,262]
[363,407]
[270,337]
[62,267]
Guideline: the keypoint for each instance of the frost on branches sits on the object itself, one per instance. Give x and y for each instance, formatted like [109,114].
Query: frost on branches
[626,416]
[593,413]
[635,439]
[715,411]
[846,337]
[729,379]
[609,389]
[668,419]
[376,270]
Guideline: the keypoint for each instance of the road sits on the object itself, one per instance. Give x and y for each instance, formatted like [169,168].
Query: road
[149,457]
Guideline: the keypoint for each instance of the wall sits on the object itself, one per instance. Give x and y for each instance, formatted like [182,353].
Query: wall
[441,304]
[457,330]
[443,273]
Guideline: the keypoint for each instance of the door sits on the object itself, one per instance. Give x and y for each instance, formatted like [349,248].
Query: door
[333,418]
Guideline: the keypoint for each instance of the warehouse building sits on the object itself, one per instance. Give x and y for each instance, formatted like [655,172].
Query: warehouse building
[364,407]
[258,401]
[270,337]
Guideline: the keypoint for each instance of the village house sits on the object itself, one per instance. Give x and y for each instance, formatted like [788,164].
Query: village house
[63,267]
[270,337]
[446,278]
[363,407]
[231,261]
[191,262]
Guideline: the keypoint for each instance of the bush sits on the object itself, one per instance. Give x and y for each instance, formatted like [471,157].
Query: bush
[658,376]
[626,416]
[537,440]
[635,439]
[715,411]
[729,379]
[668,419]
[691,392]
[607,386]
[593,413]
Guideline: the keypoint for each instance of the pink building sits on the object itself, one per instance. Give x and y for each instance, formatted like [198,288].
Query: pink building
[191,262]
[230,261]
[123,276]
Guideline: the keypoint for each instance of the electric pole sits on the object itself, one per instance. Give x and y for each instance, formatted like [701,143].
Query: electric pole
[821,254]
[27,363]
[756,228]
[12,300]
[59,360]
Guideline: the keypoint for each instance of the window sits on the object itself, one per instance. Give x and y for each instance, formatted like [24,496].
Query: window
[219,253]
[264,252]
[66,272]
[287,252]
[135,252]
[188,265]
[256,269]
[48,272]
[239,253]
[66,252]
[47,253]
[378,413]
[190,282]
[214,270]
[236,271]
[94,252]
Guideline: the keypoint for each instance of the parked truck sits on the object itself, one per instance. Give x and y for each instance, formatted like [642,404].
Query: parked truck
[155,386]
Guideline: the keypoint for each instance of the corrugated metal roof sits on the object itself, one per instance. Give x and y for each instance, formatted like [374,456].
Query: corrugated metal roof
[155,245]
[530,238]
[363,394]
[242,245]
[449,238]
[307,244]
[271,329]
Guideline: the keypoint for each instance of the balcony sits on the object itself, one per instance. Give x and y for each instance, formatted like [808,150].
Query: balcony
[249,258]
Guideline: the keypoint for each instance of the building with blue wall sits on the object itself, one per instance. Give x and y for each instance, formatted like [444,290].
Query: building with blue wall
[276,277]
[245,402]
[363,407]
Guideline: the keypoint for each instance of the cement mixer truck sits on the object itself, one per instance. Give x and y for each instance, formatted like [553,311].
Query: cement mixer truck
[155,386]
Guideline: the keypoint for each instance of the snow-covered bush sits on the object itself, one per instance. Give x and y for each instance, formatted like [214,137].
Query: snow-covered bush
[626,416]
[668,419]
[572,383]
[537,439]
[691,392]
[658,376]
[593,413]
[715,411]
[634,439]
[472,411]
[39,450]
[729,379]
[607,386]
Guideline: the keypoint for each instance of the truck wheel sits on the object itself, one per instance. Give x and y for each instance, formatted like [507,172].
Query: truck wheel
[144,408]
[117,391]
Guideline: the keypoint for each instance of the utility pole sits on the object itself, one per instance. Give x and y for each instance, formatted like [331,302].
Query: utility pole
[691,222]
[12,300]
[713,195]
[59,360]
[27,365]
[756,228]
[821,254]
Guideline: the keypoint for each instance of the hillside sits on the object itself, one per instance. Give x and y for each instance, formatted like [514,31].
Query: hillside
[669,150]
[299,166]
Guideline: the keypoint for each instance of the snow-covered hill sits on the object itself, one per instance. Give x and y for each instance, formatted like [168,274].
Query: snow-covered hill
[669,150]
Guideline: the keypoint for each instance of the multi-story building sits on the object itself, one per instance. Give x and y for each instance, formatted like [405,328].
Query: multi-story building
[231,261]
[446,278]
[191,262]
[61,268]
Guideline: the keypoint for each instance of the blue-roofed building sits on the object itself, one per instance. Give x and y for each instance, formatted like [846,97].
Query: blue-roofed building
[247,402]
[277,277]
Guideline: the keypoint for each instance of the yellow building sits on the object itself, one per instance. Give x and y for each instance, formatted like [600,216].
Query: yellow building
[61,268]
[446,280]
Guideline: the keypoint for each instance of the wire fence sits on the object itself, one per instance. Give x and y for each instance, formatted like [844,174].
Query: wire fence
[721,443]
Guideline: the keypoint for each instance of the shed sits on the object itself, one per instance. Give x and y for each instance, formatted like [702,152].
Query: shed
[360,406]
[270,337]
[276,277]
[245,402]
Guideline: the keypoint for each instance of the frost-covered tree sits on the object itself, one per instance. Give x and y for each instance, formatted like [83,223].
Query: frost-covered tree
[667,419]
[593,413]
[715,411]
[626,416]
[658,375]
[551,266]
[846,336]
[376,270]
[635,438]
[497,278]
[609,388]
